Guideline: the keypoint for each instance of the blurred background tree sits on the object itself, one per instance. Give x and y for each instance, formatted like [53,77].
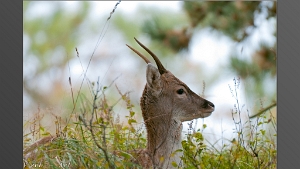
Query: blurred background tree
[50,41]
[237,20]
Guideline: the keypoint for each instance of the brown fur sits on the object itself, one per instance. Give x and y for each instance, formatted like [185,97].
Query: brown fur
[164,108]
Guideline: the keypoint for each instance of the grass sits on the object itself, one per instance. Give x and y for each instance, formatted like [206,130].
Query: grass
[96,138]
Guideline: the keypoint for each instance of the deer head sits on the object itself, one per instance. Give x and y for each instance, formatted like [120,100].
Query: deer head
[163,87]
[165,103]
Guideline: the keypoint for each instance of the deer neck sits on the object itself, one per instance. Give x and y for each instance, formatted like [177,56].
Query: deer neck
[163,131]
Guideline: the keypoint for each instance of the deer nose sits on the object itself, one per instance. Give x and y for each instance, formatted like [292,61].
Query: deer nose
[210,104]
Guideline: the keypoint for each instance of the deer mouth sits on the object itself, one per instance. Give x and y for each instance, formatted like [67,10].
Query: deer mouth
[207,109]
[206,113]
[199,114]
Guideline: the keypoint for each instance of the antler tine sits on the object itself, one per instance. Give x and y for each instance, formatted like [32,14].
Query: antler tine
[142,56]
[160,67]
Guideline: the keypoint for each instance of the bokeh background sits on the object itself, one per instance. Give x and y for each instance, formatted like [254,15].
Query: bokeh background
[205,44]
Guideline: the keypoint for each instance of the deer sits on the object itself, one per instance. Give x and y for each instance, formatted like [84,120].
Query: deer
[166,102]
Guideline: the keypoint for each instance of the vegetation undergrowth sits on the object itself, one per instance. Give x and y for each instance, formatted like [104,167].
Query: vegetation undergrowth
[254,144]
[97,138]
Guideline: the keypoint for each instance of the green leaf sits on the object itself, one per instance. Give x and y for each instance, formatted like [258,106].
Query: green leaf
[42,129]
[130,121]
[46,134]
[132,113]
[198,136]
[174,164]
[125,155]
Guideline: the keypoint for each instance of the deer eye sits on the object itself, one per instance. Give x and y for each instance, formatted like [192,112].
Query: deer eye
[180,91]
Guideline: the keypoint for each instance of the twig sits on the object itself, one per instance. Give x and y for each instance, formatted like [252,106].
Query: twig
[38,143]
[111,166]
[263,110]
[90,128]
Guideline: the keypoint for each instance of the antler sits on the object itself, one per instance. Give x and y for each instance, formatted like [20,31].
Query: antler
[160,67]
[142,56]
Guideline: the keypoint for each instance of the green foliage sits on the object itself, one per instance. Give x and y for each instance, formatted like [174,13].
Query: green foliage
[50,40]
[52,32]
[256,153]
[171,31]
[100,140]
[86,145]
[232,18]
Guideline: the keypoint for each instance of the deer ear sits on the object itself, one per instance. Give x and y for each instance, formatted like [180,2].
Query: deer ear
[153,78]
